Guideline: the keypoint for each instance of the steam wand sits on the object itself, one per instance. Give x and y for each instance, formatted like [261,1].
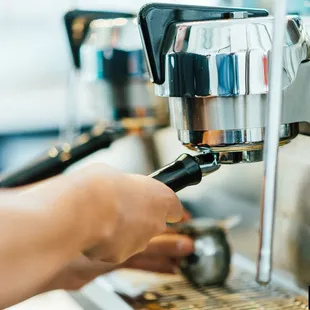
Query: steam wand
[264,267]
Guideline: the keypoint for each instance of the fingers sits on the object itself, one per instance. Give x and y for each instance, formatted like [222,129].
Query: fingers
[175,210]
[170,230]
[160,264]
[123,212]
[166,199]
[170,245]
[186,216]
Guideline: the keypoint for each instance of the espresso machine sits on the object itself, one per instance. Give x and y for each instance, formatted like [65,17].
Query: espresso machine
[237,82]
[217,67]
[107,53]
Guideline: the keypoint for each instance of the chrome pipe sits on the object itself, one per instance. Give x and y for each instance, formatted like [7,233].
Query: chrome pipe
[71,126]
[264,266]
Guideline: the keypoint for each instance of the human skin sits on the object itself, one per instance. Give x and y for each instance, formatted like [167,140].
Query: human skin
[162,255]
[93,216]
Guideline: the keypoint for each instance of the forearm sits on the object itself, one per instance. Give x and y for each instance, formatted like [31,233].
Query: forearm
[39,237]
[78,273]
[98,211]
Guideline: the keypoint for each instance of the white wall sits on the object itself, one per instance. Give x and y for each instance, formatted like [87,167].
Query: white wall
[34,59]
[34,69]
[33,62]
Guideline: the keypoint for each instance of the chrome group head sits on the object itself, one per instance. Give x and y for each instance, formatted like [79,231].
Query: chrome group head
[215,73]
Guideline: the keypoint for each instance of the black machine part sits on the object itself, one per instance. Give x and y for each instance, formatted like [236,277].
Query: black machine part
[210,264]
[155,20]
[84,19]
[57,159]
[187,170]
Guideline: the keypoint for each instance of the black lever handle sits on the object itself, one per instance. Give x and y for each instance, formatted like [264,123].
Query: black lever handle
[57,159]
[77,24]
[183,172]
[156,18]
[186,171]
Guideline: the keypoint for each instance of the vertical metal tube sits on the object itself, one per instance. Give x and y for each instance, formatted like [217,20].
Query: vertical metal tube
[271,146]
[71,127]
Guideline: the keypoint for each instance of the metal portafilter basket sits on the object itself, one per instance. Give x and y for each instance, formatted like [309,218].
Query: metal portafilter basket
[209,265]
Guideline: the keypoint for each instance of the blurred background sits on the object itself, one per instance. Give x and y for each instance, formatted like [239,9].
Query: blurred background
[41,101]
[36,69]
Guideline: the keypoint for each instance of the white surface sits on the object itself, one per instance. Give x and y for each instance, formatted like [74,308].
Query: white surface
[103,297]
[135,5]
[35,61]
[57,300]
[127,154]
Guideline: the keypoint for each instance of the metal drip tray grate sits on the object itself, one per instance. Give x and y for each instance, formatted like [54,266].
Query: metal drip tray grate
[240,293]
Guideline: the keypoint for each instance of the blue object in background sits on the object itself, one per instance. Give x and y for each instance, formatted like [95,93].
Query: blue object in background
[300,7]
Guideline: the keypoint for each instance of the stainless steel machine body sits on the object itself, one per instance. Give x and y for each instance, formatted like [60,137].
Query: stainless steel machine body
[233,85]
[111,75]
[114,71]
[216,78]
[210,264]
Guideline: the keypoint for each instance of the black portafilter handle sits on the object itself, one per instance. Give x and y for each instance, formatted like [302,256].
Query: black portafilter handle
[58,158]
[186,171]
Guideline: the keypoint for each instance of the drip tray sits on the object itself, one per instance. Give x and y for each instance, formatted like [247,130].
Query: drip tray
[241,293]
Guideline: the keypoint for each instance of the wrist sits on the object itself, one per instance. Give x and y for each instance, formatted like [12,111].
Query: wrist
[71,211]
[84,214]
[55,204]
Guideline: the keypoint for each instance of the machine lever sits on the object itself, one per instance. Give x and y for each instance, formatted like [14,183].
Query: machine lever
[186,171]
[58,158]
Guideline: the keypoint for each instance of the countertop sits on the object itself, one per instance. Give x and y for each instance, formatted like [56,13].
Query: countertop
[59,300]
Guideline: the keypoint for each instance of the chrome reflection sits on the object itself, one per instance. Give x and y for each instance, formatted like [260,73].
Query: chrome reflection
[228,57]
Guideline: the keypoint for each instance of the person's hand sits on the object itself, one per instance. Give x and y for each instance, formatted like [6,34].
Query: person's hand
[164,252]
[124,211]
[98,211]
[107,215]
[162,255]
